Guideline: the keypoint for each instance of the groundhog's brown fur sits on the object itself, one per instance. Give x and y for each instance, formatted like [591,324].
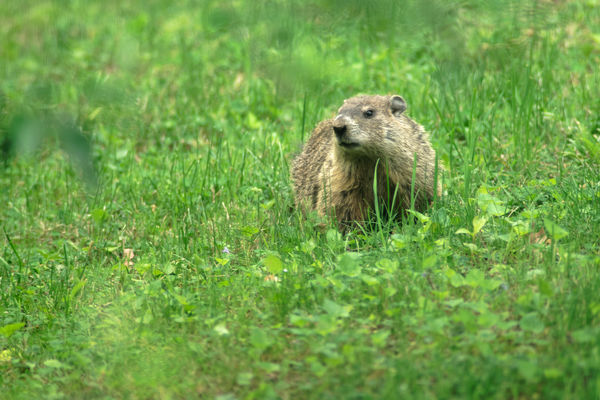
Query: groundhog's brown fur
[336,168]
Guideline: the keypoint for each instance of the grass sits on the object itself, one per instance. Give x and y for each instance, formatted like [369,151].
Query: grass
[149,246]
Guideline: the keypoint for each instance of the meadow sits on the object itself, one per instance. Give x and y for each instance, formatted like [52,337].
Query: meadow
[149,244]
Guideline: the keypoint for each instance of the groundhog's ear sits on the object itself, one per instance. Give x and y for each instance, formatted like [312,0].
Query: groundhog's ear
[398,105]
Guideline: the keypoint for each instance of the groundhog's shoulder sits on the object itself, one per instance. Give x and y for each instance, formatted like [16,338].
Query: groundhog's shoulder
[321,136]
[306,167]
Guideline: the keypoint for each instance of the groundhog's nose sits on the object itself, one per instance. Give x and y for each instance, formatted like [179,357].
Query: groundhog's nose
[339,127]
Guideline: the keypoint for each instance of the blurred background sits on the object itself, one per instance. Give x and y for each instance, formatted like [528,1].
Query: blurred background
[161,74]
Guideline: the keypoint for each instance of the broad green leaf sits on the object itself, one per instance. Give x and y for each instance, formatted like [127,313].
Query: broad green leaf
[553,373]
[181,299]
[520,227]
[455,278]
[268,205]
[430,261]
[333,236]
[299,320]
[437,325]
[535,273]
[505,237]
[387,265]
[453,302]
[249,231]
[8,330]
[52,363]
[253,122]
[486,335]
[244,378]
[464,316]
[326,324]
[269,367]
[5,356]
[530,214]
[260,339]
[222,261]
[532,323]
[488,319]
[585,335]
[464,231]
[335,309]
[369,280]
[471,246]
[399,242]
[379,338]
[317,368]
[99,215]
[309,246]
[142,268]
[348,264]
[491,284]
[478,223]
[475,278]
[491,205]
[421,217]
[273,263]
[221,330]
[555,231]
[545,288]
[528,370]
[495,209]
[147,317]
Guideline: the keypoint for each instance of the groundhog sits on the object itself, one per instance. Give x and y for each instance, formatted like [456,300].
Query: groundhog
[370,136]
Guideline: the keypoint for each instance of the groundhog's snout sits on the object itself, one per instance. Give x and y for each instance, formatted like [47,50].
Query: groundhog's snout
[339,127]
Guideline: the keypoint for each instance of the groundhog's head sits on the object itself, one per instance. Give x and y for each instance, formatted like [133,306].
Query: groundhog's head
[365,125]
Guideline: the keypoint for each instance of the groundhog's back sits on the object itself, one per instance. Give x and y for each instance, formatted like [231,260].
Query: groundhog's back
[306,168]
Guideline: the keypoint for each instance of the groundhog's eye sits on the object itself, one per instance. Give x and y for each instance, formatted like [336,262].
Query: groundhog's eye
[368,113]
